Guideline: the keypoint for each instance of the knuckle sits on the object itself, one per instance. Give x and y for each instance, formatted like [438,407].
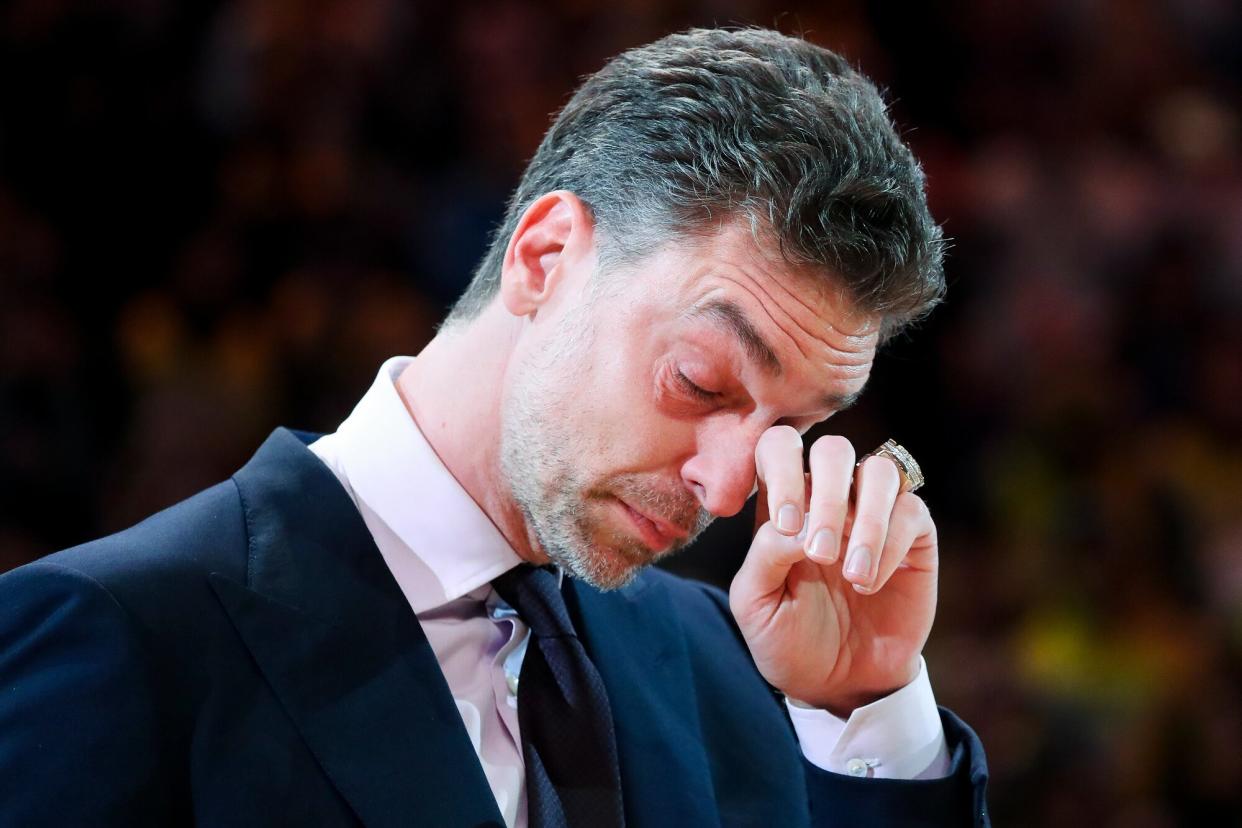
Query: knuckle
[881,468]
[920,507]
[779,437]
[778,454]
[766,535]
[870,526]
[832,448]
[911,506]
[831,506]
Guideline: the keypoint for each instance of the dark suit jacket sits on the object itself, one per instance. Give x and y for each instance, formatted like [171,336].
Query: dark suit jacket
[245,658]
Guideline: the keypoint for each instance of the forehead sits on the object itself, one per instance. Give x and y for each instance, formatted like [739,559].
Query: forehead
[788,320]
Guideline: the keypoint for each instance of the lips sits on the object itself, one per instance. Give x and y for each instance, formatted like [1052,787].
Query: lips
[656,532]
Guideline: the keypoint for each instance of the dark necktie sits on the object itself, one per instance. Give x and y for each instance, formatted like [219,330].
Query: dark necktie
[572,774]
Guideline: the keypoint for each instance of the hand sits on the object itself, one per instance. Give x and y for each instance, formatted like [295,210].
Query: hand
[835,610]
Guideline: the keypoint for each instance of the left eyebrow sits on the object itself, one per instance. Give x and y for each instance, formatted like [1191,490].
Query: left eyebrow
[732,318]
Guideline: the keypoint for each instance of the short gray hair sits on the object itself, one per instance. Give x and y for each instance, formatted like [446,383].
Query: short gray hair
[673,137]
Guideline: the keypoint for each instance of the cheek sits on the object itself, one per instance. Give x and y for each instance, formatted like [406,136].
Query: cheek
[612,412]
[612,417]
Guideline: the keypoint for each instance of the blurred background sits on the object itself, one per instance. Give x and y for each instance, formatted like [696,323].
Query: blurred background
[216,218]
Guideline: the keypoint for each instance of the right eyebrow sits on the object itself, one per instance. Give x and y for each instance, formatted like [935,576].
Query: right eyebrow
[728,315]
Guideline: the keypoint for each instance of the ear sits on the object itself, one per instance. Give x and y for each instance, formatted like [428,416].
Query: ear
[553,246]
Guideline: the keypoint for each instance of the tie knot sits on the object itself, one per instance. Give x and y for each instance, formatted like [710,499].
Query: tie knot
[534,592]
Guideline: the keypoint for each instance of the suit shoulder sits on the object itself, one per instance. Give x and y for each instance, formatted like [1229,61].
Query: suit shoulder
[702,608]
[687,589]
[204,533]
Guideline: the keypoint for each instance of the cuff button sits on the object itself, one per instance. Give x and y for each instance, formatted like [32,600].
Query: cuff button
[860,767]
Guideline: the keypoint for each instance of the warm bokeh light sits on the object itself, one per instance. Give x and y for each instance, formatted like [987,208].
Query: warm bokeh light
[219,218]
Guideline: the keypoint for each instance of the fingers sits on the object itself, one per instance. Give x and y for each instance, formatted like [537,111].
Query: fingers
[782,482]
[877,484]
[764,570]
[885,527]
[910,526]
[832,476]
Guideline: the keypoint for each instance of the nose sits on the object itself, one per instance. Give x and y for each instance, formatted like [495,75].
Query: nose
[721,472]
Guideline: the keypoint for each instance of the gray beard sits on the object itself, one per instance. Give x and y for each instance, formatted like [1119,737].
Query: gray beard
[543,478]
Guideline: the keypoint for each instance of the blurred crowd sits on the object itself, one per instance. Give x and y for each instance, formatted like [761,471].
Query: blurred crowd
[217,218]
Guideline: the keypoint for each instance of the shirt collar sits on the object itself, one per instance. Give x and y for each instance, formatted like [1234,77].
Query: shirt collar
[395,474]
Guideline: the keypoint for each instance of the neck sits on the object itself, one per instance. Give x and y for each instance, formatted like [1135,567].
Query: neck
[453,392]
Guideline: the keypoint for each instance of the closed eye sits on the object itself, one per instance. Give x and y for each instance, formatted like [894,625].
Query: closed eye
[696,390]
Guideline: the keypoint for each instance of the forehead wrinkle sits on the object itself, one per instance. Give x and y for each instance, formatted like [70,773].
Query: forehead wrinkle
[742,253]
[768,304]
[735,320]
[831,401]
[793,296]
[815,336]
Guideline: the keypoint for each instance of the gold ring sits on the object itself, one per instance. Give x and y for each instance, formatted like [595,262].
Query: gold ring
[907,466]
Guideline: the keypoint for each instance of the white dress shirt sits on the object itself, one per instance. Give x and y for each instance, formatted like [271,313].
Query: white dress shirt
[444,551]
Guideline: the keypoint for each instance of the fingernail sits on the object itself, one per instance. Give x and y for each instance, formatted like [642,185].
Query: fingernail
[823,547]
[789,519]
[858,562]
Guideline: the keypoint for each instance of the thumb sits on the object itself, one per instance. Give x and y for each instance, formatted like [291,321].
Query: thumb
[762,574]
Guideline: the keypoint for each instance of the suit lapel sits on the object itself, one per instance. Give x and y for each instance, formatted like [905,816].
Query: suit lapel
[639,648]
[337,641]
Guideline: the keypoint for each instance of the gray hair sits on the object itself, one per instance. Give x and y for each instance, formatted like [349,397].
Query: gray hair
[673,137]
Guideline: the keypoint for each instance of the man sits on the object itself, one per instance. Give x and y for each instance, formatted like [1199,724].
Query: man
[698,265]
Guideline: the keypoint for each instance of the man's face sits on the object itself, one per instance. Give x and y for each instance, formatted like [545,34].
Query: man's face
[632,410]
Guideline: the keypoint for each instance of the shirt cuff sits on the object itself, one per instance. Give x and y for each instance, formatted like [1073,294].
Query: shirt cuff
[897,737]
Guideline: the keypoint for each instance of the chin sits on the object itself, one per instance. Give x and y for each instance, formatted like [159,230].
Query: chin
[607,565]
[604,555]
[604,570]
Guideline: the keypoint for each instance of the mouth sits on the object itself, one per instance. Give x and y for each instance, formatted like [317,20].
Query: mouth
[658,534]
